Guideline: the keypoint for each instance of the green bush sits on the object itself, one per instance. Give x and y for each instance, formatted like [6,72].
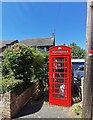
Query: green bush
[23,65]
[11,85]
[18,61]
[0,69]
[40,66]
[4,71]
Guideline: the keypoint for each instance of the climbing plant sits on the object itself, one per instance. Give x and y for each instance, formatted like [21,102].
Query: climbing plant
[24,63]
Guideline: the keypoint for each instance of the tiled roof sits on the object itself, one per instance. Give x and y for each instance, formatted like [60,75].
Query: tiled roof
[6,42]
[38,42]
[2,53]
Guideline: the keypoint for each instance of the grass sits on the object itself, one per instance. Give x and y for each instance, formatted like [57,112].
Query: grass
[78,110]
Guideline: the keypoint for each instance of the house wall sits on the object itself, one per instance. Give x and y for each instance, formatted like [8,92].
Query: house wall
[44,48]
[2,49]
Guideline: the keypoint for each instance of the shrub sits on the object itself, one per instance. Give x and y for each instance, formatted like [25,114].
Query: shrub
[4,70]
[40,66]
[18,61]
[23,63]
[0,69]
[11,85]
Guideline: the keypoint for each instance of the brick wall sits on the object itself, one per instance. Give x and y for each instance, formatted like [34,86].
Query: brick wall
[5,105]
[11,104]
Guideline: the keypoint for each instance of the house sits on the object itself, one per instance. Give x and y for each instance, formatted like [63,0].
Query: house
[6,44]
[42,43]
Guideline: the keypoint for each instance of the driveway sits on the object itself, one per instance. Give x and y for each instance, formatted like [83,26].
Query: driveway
[41,109]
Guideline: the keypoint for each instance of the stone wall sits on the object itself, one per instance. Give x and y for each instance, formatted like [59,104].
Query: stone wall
[5,105]
[11,103]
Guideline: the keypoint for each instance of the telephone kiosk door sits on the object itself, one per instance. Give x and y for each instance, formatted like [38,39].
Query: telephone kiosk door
[60,75]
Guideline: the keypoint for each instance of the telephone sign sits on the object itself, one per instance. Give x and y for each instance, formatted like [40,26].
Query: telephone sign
[60,75]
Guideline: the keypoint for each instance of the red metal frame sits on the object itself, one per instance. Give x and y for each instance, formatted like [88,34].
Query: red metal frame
[60,75]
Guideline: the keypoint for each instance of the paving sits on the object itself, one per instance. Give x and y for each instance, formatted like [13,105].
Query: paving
[41,109]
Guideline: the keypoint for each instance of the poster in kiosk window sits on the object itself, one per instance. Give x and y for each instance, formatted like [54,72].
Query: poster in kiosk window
[60,75]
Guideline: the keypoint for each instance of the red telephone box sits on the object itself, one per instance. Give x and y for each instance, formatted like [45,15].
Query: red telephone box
[60,75]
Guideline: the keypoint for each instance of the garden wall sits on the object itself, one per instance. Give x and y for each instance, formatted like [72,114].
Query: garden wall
[5,105]
[11,104]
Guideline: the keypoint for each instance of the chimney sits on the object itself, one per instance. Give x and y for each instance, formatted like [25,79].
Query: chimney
[53,36]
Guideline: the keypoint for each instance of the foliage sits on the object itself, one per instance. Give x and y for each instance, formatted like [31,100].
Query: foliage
[18,61]
[40,65]
[78,109]
[0,69]
[4,71]
[10,84]
[23,65]
[77,52]
[0,65]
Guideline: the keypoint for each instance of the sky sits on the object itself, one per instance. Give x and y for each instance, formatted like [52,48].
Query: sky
[67,20]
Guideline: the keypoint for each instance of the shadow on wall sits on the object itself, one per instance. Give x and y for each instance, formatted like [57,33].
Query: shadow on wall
[35,104]
[32,106]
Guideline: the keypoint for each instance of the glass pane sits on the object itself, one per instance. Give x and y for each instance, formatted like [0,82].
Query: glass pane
[59,70]
[59,80]
[59,59]
[61,86]
[59,64]
[59,75]
[57,90]
[58,96]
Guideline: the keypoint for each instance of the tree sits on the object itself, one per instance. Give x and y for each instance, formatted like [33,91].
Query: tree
[77,52]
